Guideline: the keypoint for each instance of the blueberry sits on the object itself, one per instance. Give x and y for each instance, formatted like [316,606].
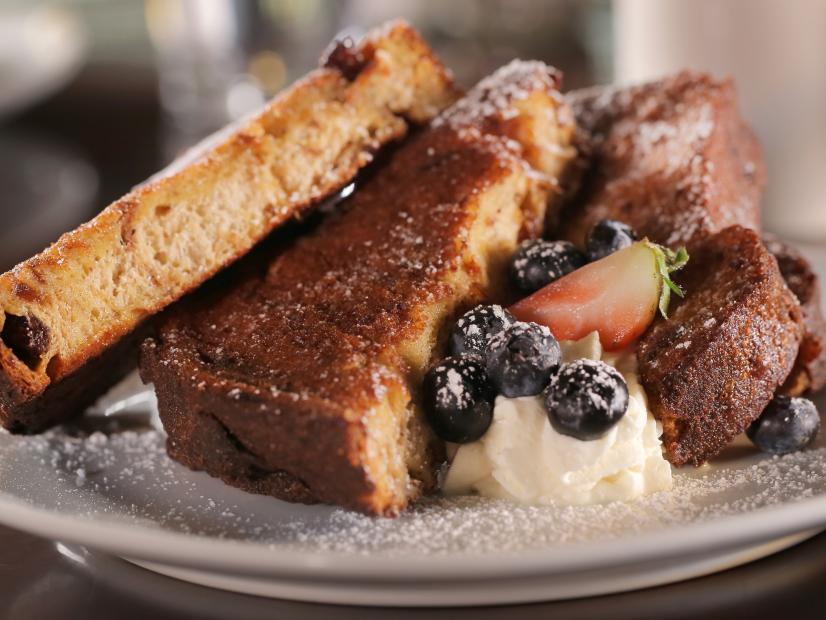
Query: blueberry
[586,398]
[608,236]
[458,399]
[521,358]
[786,425]
[539,262]
[475,328]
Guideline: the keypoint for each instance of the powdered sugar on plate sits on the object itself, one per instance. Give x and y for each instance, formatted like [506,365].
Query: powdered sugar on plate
[116,470]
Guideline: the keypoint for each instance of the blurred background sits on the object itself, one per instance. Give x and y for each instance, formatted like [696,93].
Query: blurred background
[96,95]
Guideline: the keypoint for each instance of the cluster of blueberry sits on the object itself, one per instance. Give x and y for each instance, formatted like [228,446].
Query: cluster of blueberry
[493,353]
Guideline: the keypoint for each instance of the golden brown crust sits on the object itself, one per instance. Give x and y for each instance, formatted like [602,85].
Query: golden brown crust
[81,388]
[711,368]
[809,372]
[313,367]
[671,158]
[146,250]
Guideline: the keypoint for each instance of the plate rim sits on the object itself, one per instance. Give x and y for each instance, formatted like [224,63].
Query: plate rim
[249,558]
[508,589]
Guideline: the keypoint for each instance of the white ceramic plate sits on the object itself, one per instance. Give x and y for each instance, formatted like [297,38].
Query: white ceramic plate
[110,487]
[40,51]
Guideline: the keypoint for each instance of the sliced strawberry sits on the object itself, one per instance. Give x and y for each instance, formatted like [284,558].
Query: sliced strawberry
[617,296]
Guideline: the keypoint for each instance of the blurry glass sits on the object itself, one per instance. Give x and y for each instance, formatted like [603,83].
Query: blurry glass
[200,65]
[776,52]
[474,37]
[220,59]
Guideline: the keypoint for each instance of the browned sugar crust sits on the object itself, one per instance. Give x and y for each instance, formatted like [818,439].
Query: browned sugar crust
[97,283]
[81,388]
[672,158]
[711,368]
[809,373]
[312,367]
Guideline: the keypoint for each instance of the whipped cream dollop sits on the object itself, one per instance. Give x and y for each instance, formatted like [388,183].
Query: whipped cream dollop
[522,458]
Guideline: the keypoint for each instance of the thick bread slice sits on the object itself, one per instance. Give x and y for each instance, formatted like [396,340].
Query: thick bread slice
[71,303]
[712,367]
[672,158]
[302,383]
[809,372]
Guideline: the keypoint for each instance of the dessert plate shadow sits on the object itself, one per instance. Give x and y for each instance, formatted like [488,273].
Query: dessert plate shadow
[106,485]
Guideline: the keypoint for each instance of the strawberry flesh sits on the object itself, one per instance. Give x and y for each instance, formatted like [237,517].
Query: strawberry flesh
[616,296]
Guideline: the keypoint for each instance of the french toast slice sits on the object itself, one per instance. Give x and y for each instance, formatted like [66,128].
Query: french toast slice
[711,368]
[67,306]
[302,382]
[809,372]
[672,158]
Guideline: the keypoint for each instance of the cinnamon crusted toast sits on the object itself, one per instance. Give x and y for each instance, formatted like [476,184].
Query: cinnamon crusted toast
[671,158]
[302,382]
[62,310]
[809,372]
[674,159]
[711,368]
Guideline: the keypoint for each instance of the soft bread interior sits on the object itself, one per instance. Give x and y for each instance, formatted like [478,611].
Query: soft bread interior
[167,236]
[400,445]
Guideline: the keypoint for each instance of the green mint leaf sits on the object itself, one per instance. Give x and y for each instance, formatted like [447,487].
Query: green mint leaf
[668,261]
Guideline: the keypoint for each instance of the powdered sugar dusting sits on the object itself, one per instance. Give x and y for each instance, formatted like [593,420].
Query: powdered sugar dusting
[455,384]
[496,95]
[481,525]
[106,474]
[668,147]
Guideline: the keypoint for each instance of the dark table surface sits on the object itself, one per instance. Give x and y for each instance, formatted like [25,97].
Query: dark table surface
[37,582]
[119,132]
